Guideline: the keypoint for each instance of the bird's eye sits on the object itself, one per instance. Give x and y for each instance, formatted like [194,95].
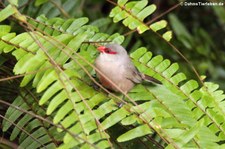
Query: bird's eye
[107,50]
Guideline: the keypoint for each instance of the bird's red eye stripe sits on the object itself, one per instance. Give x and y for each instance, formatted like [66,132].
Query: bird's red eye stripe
[106,50]
[109,51]
[112,52]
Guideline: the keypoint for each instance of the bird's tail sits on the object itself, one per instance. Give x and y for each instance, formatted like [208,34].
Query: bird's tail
[150,79]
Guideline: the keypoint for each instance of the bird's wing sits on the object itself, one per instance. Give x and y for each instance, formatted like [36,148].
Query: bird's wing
[132,74]
[150,79]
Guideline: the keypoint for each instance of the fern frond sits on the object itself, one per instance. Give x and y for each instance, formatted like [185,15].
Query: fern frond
[40,52]
[32,133]
[181,103]
[133,14]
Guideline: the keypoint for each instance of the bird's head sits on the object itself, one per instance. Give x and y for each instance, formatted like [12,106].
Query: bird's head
[112,50]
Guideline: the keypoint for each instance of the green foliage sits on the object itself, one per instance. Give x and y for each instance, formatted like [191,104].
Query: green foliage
[133,14]
[57,62]
[35,133]
[64,82]
[6,12]
[53,8]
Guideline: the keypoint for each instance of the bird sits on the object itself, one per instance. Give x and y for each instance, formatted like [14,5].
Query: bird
[118,73]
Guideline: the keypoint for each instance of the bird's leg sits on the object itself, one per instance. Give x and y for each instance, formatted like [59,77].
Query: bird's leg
[95,86]
[120,104]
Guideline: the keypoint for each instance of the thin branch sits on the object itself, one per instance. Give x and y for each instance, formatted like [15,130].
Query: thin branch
[22,75]
[17,46]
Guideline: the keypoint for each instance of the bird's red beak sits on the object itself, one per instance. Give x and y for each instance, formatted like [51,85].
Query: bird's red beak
[101,48]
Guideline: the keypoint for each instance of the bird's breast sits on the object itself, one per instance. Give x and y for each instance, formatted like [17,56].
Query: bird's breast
[112,74]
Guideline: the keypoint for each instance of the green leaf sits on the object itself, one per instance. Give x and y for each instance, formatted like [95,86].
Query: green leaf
[142,28]
[50,92]
[23,121]
[103,144]
[129,120]
[189,86]
[13,2]
[146,12]
[158,25]
[133,15]
[140,108]
[146,57]
[49,77]
[75,129]
[7,37]
[68,121]
[167,36]
[171,70]
[163,66]
[63,111]
[76,24]
[115,117]
[12,114]
[135,133]
[56,101]
[138,53]
[139,6]
[155,61]
[36,134]
[5,28]
[188,135]
[122,2]
[177,78]
[40,2]
[6,12]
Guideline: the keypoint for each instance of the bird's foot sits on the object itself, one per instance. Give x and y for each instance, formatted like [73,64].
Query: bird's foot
[120,104]
[95,86]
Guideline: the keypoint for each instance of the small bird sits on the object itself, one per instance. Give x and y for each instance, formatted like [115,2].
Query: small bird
[117,66]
